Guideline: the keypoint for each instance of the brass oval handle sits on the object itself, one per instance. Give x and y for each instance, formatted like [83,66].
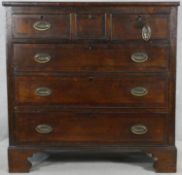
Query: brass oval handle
[139,129]
[44,129]
[41,25]
[43,91]
[146,32]
[139,57]
[42,58]
[139,91]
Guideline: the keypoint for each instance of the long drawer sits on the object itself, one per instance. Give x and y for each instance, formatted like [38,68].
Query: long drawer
[105,128]
[117,90]
[97,57]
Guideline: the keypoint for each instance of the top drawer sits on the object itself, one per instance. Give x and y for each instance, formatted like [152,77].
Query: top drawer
[41,26]
[145,27]
[91,25]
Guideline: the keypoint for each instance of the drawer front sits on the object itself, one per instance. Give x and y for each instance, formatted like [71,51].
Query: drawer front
[119,90]
[126,27]
[69,128]
[98,57]
[90,26]
[42,26]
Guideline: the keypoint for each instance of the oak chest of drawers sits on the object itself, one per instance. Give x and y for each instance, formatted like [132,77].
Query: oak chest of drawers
[91,77]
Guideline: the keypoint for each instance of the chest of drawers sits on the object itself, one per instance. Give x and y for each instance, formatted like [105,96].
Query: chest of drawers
[91,77]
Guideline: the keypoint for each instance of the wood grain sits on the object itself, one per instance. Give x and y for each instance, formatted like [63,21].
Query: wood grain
[90,75]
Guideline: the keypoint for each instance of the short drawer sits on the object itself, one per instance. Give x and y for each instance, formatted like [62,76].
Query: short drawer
[41,26]
[90,26]
[97,57]
[94,128]
[143,27]
[116,90]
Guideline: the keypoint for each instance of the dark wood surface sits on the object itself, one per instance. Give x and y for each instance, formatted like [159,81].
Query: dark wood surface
[60,26]
[125,26]
[91,25]
[64,4]
[90,75]
[91,57]
[92,91]
[90,128]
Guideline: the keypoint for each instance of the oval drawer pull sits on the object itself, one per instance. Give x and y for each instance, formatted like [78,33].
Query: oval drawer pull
[43,91]
[139,129]
[139,57]
[146,32]
[42,58]
[41,25]
[44,129]
[139,91]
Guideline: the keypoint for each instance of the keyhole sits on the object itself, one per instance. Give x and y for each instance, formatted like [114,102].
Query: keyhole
[41,17]
[91,78]
[90,48]
[90,16]
[140,22]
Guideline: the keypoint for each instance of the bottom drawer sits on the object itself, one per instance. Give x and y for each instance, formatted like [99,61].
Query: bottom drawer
[59,128]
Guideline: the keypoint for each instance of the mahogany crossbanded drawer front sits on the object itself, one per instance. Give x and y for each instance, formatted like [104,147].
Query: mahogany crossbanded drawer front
[91,57]
[67,127]
[57,26]
[119,90]
[91,77]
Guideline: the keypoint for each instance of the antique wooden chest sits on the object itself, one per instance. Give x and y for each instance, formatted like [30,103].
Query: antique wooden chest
[91,77]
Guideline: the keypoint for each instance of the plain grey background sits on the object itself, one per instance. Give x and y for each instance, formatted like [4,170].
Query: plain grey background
[3,87]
